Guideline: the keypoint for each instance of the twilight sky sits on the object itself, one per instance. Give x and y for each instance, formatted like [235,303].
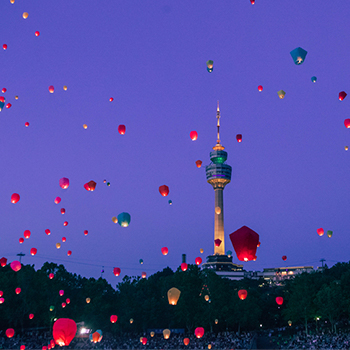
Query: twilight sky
[290,174]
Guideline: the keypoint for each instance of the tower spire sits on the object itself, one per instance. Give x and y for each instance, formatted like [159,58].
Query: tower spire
[218,123]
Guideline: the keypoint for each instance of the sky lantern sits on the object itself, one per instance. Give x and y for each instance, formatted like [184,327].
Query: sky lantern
[21,240]
[116,271]
[284,257]
[114,219]
[199,332]
[18,290]
[90,186]
[141,261]
[166,333]
[57,200]
[69,253]
[298,55]
[144,341]
[65,223]
[51,276]
[25,15]
[245,242]
[217,242]
[31,316]
[131,321]
[198,163]
[242,294]
[210,66]
[4,46]
[51,89]
[229,253]
[3,262]
[26,124]
[63,211]
[37,33]
[65,88]
[347,123]
[152,334]
[279,300]
[64,330]
[121,129]
[329,234]
[22,347]
[216,321]
[173,295]
[16,265]
[33,251]
[3,90]
[143,274]
[64,239]
[193,135]
[64,183]
[186,341]
[68,301]
[26,234]
[183,266]
[52,308]
[281,94]
[342,95]
[239,137]
[2,300]
[85,126]
[252,2]
[1,293]
[10,332]
[260,88]
[61,292]
[96,337]
[48,232]
[88,300]
[9,105]
[320,231]
[198,260]
[2,103]
[64,305]
[124,219]
[58,245]
[111,99]
[201,250]
[164,190]
[114,318]
[170,202]
[206,297]
[164,251]
[314,79]
[86,232]
[15,198]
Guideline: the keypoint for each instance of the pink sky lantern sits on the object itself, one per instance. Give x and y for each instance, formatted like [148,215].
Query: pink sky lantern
[31,316]
[198,260]
[3,262]
[90,186]
[15,197]
[199,332]
[245,242]
[217,242]
[51,89]
[18,290]
[114,318]
[61,292]
[279,300]
[10,332]
[164,190]
[116,271]
[184,266]
[193,135]
[64,183]
[64,305]
[64,330]
[342,95]
[2,300]
[347,123]
[68,301]
[1,293]
[57,200]
[33,251]
[26,234]
[121,129]
[320,231]
[164,251]
[48,232]
[51,276]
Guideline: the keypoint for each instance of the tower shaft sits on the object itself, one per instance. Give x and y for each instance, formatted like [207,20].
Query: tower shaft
[219,221]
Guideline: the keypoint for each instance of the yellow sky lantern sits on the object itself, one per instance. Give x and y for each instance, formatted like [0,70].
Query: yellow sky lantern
[173,295]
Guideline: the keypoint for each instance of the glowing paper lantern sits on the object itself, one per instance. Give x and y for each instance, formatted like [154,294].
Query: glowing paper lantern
[3,262]
[52,308]
[26,234]
[26,124]
[3,90]
[313,79]
[116,271]
[90,186]
[210,66]
[217,210]
[193,135]
[64,305]
[298,55]
[21,240]
[51,276]
[69,253]
[198,163]
[216,321]
[114,219]
[64,183]
[166,333]
[342,95]
[252,2]
[65,88]
[260,88]
[201,250]
[33,251]
[4,46]
[144,341]
[9,105]
[346,148]
[51,89]
[183,266]
[64,330]
[143,274]
[284,257]
[170,202]
[121,129]
[65,223]
[111,99]
[48,232]
[85,126]
[239,138]
[164,251]
[58,245]
[279,300]
[198,260]
[25,15]
[206,297]
[1,293]
[2,300]
[152,334]
[164,190]
[68,301]
[347,123]
[31,316]
[217,242]
[10,332]
[320,231]
[131,320]
[37,33]
[124,219]
[242,294]
[141,261]
[199,332]
[245,242]
[64,239]
[281,94]
[57,200]
[18,290]
[173,295]
[22,347]
[88,300]
[114,318]
[63,211]
[186,341]
[86,232]
[61,292]
[15,198]
[329,234]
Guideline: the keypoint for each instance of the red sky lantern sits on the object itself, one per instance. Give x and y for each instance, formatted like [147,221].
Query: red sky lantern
[184,266]
[347,123]
[64,183]
[37,33]
[3,262]
[64,239]
[239,137]
[48,232]
[199,163]
[68,301]
[245,242]
[33,251]
[242,294]
[116,271]
[2,300]
[114,318]
[252,2]
[69,253]
[64,330]
[193,135]
[198,260]
[1,293]
[164,190]
[121,129]
[284,257]
[15,198]
[21,240]
[44,347]
[320,231]
[260,88]
[26,234]
[4,46]
[199,332]
[164,251]
[342,95]
[144,275]
[279,300]
[186,341]
[111,99]
[9,105]
[18,290]
[65,223]
[51,89]
[31,316]
[16,265]
[217,242]
[86,232]
[57,200]
[10,332]
[26,124]
[64,305]
[90,186]
[144,340]
[22,347]
[51,276]
[3,90]
[63,211]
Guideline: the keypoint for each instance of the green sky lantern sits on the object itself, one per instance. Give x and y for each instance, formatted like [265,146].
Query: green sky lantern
[229,253]
[314,79]
[52,308]
[210,67]
[329,234]
[124,219]
[141,261]
[298,55]
[281,94]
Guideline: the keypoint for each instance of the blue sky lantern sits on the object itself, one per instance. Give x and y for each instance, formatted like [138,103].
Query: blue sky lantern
[170,202]
[2,102]
[210,67]
[314,79]
[298,55]
[124,219]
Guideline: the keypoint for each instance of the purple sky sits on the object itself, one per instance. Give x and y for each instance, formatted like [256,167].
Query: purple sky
[289,175]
